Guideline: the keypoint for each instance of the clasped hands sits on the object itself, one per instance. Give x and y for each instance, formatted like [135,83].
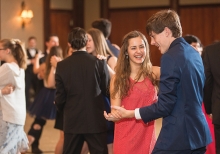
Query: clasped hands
[8,89]
[118,113]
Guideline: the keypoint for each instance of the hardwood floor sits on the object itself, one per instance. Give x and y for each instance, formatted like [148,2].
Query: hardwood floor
[50,135]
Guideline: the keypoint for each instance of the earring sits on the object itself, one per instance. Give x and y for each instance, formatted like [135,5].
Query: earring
[126,56]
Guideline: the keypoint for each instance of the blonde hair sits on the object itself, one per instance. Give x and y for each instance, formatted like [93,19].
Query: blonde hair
[123,68]
[17,51]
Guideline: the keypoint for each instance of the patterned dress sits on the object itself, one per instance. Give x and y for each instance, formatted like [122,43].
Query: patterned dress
[12,137]
[134,136]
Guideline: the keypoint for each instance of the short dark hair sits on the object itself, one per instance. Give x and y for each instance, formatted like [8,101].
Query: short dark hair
[192,39]
[77,38]
[162,19]
[104,25]
[49,37]
[32,38]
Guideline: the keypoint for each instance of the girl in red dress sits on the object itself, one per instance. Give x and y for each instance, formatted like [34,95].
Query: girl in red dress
[133,86]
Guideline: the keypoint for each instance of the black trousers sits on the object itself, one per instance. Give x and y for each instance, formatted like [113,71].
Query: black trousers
[31,81]
[217,138]
[97,143]
[196,151]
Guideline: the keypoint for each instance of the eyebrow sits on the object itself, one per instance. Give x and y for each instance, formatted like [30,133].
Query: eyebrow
[137,45]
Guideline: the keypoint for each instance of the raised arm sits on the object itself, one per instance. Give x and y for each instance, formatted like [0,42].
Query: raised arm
[51,78]
[36,63]
[41,71]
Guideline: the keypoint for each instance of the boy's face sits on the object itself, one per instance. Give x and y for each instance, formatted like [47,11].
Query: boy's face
[161,40]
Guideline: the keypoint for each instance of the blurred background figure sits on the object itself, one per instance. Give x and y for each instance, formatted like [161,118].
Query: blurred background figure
[35,132]
[105,26]
[31,79]
[196,43]
[211,61]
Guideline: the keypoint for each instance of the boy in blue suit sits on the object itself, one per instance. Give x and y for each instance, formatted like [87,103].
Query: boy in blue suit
[184,129]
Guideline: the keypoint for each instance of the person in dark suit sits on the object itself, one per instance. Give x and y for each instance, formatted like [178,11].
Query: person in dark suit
[105,26]
[184,128]
[31,79]
[211,60]
[81,81]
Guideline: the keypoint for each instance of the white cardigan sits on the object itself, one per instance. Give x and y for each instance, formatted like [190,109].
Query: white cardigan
[13,106]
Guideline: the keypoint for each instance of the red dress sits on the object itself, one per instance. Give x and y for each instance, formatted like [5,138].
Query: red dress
[211,147]
[134,136]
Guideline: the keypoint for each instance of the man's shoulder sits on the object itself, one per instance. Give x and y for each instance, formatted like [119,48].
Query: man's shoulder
[77,58]
[63,62]
[213,47]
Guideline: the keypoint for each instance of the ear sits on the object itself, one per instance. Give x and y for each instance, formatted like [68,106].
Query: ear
[167,32]
[8,51]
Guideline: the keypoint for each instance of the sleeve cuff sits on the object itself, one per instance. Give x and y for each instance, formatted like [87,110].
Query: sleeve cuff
[0,93]
[137,113]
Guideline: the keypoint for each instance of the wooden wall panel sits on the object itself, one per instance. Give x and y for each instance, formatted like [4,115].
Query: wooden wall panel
[202,21]
[216,23]
[126,20]
[61,24]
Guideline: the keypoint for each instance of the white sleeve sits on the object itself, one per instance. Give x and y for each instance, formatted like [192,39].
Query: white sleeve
[5,76]
[137,114]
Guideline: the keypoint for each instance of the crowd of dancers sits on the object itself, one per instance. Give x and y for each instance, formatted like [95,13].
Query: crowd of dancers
[105,98]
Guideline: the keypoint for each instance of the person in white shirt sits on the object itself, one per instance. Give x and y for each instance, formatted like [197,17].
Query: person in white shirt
[12,106]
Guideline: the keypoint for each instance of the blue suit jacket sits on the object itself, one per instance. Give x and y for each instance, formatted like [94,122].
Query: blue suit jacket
[180,97]
[112,48]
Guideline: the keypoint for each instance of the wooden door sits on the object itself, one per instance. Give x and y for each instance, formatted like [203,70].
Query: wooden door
[61,23]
